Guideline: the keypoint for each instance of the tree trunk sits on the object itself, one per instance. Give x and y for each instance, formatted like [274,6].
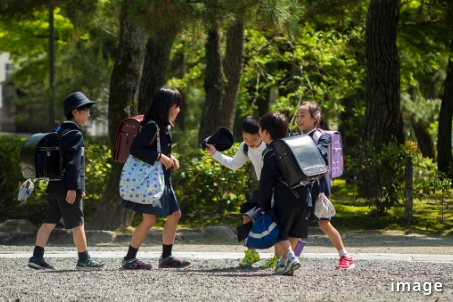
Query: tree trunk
[408,192]
[424,139]
[382,113]
[124,81]
[213,86]
[233,64]
[157,56]
[444,156]
[178,70]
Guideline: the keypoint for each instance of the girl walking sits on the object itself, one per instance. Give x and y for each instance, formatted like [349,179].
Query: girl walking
[157,121]
[308,119]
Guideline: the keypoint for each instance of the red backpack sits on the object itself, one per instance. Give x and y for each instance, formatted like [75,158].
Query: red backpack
[125,134]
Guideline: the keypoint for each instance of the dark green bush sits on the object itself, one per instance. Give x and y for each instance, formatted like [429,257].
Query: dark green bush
[205,184]
[380,174]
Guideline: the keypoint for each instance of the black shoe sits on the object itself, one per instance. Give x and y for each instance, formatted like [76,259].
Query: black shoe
[39,263]
[135,264]
[89,264]
[172,262]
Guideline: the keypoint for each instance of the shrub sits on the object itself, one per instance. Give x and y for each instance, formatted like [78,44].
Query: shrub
[205,184]
[380,174]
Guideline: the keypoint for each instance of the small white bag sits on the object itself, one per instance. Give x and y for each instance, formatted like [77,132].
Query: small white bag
[323,207]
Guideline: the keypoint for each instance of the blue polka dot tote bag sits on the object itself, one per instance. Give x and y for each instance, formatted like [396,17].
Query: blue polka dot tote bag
[141,182]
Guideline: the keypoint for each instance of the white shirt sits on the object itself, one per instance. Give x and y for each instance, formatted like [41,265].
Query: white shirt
[239,159]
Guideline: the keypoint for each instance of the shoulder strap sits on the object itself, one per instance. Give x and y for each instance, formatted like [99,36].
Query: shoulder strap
[317,134]
[67,131]
[246,149]
[156,137]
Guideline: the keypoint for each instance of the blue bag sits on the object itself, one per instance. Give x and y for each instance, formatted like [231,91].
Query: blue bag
[264,234]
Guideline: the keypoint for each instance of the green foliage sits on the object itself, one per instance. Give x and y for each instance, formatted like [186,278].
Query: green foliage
[97,170]
[203,184]
[380,174]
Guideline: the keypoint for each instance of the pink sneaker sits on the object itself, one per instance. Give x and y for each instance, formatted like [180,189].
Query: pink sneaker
[345,263]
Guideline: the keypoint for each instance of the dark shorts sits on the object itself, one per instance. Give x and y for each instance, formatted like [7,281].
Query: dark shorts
[293,223]
[251,203]
[58,208]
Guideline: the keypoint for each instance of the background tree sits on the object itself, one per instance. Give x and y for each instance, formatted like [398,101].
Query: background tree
[445,158]
[124,83]
[382,111]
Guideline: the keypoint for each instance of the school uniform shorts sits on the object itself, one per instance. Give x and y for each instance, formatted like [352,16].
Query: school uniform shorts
[58,208]
[293,223]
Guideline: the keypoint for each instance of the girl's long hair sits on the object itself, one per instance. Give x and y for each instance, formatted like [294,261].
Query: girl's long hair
[163,99]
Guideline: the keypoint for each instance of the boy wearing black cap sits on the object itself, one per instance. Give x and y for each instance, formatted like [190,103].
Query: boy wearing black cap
[65,196]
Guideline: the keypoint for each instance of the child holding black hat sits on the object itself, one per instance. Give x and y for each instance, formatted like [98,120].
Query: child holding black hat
[250,149]
[65,196]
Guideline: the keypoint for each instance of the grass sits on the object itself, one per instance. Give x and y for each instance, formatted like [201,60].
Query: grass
[353,214]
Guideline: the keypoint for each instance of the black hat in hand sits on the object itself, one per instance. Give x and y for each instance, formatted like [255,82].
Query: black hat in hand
[222,139]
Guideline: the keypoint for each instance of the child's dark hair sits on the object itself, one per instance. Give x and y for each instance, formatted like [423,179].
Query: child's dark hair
[251,124]
[275,123]
[315,111]
[163,100]
[70,116]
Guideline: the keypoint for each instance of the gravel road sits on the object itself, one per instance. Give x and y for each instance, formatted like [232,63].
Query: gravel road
[222,279]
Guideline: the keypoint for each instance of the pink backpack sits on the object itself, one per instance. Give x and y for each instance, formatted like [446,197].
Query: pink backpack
[335,151]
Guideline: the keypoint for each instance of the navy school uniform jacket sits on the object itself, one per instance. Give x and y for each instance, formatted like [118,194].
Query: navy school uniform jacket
[285,199]
[73,150]
[141,148]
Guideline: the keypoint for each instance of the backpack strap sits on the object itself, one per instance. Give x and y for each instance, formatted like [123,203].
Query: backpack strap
[156,137]
[269,149]
[245,149]
[67,131]
[317,134]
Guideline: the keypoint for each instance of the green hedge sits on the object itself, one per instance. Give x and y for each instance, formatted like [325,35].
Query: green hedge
[202,184]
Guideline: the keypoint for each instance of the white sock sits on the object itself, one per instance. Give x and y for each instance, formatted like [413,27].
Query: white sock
[254,251]
[343,252]
[281,261]
[290,255]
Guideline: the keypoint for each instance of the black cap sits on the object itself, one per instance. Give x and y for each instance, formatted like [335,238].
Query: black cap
[222,139]
[74,101]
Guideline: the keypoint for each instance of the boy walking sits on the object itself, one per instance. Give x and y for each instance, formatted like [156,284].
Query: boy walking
[290,211]
[251,149]
[65,196]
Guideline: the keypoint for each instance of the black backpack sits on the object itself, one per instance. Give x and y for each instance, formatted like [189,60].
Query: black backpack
[299,160]
[41,156]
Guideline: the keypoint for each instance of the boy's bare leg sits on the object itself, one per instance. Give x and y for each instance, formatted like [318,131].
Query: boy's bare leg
[142,230]
[332,233]
[281,252]
[168,235]
[80,239]
[43,234]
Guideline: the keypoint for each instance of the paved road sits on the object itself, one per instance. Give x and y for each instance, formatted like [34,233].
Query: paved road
[390,267]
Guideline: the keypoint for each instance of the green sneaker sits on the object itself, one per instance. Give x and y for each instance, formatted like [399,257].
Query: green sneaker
[250,258]
[270,263]
[89,264]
